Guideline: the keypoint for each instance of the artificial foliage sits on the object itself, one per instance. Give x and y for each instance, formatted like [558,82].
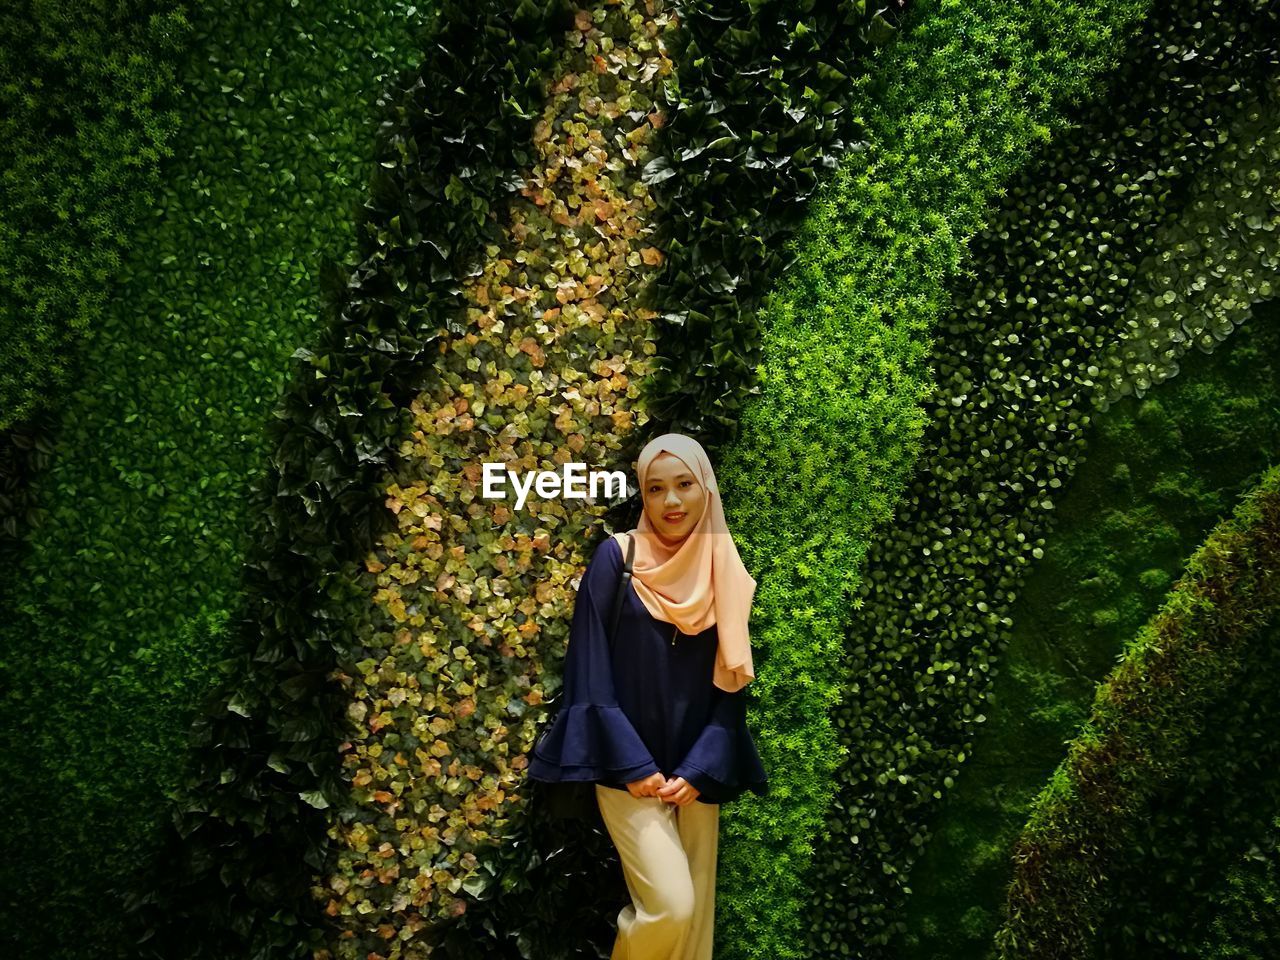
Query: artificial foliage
[1247,924]
[388,233]
[761,110]
[570,313]
[26,451]
[89,103]
[1145,720]
[403,231]
[1211,259]
[469,599]
[1160,472]
[951,111]
[888,263]
[1219,256]
[113,607]
[248,824]
[1162,882]
[1017,362]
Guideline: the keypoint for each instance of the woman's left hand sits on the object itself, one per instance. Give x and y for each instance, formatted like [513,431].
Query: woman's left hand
[678,791]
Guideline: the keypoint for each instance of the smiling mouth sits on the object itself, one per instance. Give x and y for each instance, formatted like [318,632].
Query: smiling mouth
[673,517]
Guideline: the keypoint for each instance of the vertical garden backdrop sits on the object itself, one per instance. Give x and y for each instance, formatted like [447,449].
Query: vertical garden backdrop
[972,303]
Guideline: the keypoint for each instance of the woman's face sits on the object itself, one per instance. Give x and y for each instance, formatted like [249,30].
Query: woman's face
[673,497]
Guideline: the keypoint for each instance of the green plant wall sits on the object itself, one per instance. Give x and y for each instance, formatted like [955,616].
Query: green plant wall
[114,608]
[1146,720]
[1159,473]
[465,600]
[1018,364]
[538,306]
[277,663]
[1173,206]
[90,102]
[1245,923]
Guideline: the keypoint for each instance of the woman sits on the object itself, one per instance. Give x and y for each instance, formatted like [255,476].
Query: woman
[659,722]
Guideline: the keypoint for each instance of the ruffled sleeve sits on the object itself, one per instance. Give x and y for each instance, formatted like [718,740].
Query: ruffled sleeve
[723,762]
[591,738]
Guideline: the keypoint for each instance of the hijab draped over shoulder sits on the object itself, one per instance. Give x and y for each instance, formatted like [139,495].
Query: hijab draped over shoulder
[700,581]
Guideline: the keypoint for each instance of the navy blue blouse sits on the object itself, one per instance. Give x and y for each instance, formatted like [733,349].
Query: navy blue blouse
[649,707]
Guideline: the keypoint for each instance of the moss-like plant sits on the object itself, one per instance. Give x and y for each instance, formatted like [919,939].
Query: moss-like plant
[1158,476]
[1016,368]
[1144,721]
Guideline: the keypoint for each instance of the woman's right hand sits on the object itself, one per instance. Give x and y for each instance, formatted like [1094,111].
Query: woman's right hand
[648,787]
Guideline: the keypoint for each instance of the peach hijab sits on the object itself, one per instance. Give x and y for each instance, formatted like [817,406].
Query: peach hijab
[700,582]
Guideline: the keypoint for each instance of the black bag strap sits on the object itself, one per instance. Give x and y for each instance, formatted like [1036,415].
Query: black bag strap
[623,581]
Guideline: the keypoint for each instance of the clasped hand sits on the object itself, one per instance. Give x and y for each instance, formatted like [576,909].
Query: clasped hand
[677,790]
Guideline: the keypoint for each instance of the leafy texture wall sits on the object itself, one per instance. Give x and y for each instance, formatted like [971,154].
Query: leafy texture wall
[918,277]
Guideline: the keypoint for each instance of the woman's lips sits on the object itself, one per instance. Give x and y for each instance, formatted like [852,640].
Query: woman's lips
[673,517]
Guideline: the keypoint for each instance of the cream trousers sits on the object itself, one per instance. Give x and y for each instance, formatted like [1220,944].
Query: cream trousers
[668,858]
